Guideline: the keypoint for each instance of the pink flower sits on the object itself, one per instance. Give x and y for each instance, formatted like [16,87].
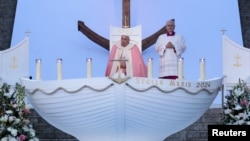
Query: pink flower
[22,137]
[227,111]
[244,102]
[11,118]
[26,110]
[241,115]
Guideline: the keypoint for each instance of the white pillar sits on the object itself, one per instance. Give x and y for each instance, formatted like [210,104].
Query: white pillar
[180,69]
[89,67]
[38,69]
[150,67]
[59,69]
[202,69]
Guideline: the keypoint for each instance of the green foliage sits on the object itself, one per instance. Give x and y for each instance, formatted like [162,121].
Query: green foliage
[14,120]
[237,105]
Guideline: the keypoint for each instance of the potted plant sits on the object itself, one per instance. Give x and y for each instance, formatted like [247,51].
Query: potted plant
[237,105]
[14,115]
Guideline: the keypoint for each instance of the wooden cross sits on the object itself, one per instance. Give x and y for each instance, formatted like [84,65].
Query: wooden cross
[126,13]
[103,42]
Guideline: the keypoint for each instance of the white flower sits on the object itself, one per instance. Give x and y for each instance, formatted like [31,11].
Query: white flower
[14,106]
[241,122]
[12,118]
[245,116]
[241,115]
[25,128]
[12,139]
[32,133]
[238,91]
[17,121]
[9,138]
[227,111]
[9,94]
[238,107]
[12,131]
[4,118]
[9,112]
[4,139]
[248,122]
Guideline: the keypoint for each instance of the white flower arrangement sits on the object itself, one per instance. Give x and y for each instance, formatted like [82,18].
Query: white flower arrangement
[237,105]
[14,120]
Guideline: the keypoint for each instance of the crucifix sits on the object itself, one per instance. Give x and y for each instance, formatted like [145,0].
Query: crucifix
[103,42]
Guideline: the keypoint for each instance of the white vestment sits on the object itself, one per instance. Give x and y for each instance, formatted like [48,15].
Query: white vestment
[123,53]
[168,62]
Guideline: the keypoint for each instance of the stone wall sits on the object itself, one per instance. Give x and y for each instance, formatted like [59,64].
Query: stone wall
[198,130]
[7,18]
[244,11]
[195,132]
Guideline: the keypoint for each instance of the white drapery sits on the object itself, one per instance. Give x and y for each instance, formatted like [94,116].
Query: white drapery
[236,62]
[14,62]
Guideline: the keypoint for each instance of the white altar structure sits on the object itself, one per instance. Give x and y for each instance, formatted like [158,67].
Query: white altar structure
[137,109]
[134,109]
[236,63]
[14,63]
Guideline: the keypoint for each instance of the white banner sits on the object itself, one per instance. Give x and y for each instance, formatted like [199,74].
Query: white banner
[236,62]
[14,63]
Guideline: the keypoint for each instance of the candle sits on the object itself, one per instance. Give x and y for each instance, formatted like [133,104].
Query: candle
[89,67]
[38,69]
[180,68]
[59,69]
[202,69]
[150,67]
